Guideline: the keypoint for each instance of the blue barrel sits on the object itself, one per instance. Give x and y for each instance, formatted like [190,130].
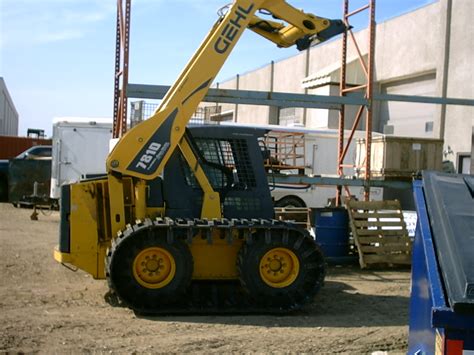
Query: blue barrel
[332,231]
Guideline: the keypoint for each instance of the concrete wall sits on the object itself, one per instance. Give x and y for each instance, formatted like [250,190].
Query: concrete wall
[261,81]
[459,76]
[8,113]
[319,118]
[228,84]
[406,46]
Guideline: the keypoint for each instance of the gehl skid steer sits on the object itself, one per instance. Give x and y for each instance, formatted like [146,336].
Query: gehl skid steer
[183,220]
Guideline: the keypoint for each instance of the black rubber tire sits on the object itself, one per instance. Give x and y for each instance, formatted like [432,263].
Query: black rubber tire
[120,263]
[303,289]
[290,201]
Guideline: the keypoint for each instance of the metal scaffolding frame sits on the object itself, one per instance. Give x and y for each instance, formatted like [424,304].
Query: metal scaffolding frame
[122,42]
[344,89]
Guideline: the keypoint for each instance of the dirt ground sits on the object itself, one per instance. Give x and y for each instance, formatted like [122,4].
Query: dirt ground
[47,308]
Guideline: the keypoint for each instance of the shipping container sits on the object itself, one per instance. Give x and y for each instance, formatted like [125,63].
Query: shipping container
[11,146]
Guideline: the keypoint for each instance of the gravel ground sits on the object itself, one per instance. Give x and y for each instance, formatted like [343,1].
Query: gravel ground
[47,308]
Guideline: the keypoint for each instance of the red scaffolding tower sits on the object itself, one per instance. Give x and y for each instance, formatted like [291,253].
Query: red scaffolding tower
[368,69]
[122,42]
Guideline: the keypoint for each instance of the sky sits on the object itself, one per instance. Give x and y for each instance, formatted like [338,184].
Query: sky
[57,56]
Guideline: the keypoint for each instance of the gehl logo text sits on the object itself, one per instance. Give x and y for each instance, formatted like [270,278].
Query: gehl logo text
[231,30]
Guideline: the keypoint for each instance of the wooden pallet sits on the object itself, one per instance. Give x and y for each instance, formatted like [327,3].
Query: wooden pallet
[379,232]
[298,215]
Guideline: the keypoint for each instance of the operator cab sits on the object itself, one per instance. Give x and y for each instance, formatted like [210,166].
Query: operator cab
[234,164]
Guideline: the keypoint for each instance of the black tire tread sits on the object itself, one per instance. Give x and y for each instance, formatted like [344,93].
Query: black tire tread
[232,297]
[303,289]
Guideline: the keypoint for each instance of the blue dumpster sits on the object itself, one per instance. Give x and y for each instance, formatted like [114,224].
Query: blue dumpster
[442,294]
[332,233]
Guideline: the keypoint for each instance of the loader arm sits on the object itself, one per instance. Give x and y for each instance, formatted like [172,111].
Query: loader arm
[144,151]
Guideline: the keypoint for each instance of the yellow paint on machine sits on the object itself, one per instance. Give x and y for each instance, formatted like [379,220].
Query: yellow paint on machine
[87,247]
[89,215]
[215,261]
[154,268]
[279,267]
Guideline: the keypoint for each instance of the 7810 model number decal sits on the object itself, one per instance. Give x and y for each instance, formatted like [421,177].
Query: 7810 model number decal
[154,152]
[146,162]
[147,158]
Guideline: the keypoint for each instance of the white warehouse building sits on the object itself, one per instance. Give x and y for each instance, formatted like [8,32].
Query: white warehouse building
[427,52]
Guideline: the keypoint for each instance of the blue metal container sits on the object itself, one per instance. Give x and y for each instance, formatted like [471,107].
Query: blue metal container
[442,294]
[332,233]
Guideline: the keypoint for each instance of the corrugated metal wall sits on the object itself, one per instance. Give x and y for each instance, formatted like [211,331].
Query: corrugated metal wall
[8,113]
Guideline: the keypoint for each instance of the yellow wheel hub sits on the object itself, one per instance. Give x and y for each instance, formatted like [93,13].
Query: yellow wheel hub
[279,267]
[154,267]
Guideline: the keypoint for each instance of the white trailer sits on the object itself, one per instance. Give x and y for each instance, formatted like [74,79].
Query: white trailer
[321,151]
[80,148]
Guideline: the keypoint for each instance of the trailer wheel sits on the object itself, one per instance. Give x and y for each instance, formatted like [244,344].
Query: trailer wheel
[290,201]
